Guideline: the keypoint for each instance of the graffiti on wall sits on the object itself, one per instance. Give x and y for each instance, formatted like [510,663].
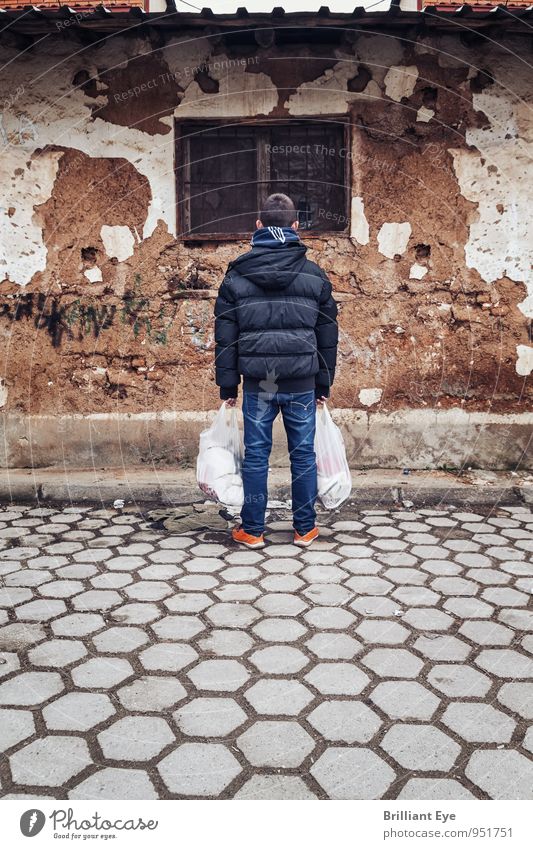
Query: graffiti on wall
[79,319]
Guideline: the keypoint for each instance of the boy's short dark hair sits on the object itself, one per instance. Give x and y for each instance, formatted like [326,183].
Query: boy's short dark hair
[278,211]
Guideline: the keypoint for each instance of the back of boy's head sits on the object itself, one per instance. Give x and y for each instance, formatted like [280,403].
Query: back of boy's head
[278,211]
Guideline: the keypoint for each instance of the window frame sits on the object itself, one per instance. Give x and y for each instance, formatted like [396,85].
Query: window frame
[180,125]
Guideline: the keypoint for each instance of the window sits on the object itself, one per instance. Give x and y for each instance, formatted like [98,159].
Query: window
[224,172]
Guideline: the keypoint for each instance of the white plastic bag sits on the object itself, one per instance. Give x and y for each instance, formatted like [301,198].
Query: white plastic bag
[334,477]
[218,467]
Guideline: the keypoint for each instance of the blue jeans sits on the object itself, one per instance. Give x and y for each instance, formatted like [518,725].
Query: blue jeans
[298,410]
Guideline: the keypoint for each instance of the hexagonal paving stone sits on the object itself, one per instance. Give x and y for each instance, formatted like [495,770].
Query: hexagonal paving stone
[384,631]
[61,589]
[421,747]
[57,653]
[199,769]
[50,761]
[518,698]
[434,788]
[15,726]
[469,608]
[209,717]
[279,660]
[101,673]
[26,577]
[277,697]
[522,620]
[345,722]
[328,594]
[151,694]
[276,743]
[236,592]
[405,576]
[219,675]
[405,700]
[393,663]
[501,774]
[40,610]
[96,600]
[455,680]
[226,643]
[178,627]
[369,585]
[281,604]
[114,783]
[478,723]
[77,625]
[11,596]
[415,596]
[30,688]
[505,663]
[323,574]
[329,618]
[118,640]
[505,596]
[149,591]
[135,613]
[78,711]
[232,614]
[269,787]
[337,679]
[135,738]
[195,582]
[279,630]
[369,605]
[334,646]
[442,647]
[124,563]
[487,633]
[352,774]
[170,657]
[204,564]
[428,619]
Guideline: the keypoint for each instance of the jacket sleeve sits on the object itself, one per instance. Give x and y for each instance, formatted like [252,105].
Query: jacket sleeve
[327,336]
[226,341]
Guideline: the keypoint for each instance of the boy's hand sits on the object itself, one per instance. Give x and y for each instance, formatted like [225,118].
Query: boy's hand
[321,401]
[231,402]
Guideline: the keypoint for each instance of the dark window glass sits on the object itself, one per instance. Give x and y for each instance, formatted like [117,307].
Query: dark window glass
[224,173]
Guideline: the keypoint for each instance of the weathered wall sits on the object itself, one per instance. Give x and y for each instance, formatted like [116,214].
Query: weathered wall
[103,309]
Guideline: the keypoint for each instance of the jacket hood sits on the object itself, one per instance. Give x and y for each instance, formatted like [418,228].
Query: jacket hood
[272,267]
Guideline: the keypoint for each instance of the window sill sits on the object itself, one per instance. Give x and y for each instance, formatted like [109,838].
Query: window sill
[243,237]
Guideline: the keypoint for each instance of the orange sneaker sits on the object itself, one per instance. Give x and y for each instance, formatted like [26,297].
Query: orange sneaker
[306,539]
[240,535]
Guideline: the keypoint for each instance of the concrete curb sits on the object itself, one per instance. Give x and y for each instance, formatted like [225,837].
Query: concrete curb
[377,487]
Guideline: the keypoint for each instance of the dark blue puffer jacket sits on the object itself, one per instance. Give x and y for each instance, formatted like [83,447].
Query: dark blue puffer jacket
[275,321]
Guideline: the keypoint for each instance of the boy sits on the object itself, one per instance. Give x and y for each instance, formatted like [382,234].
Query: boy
[275,323]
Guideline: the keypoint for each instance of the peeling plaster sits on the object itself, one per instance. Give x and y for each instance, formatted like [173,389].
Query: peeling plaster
[240,94]
[94,275]
[368,397]
[376,52]
[359,227]
[118,241]
[400,81]
[496,177]
[417,271]
[62,116]
[26,183]
[393,238]
[3,393]
[524,363]
[425,114]
[329,92]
